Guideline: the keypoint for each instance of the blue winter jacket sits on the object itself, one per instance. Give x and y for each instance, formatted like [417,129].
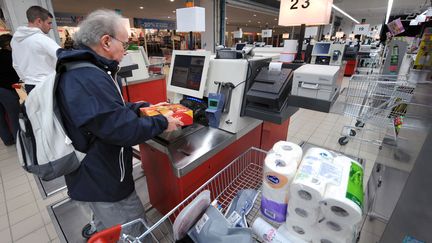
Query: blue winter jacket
[100,124]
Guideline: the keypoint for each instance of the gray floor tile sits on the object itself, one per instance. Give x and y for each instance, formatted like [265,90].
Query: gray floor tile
[5,235]
[27,226]
[39,236]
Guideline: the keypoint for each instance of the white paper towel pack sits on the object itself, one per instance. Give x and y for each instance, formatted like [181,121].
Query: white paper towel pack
[300,229]
[288,150]
[310,181]
[299,212]
[278,173]
[343,203]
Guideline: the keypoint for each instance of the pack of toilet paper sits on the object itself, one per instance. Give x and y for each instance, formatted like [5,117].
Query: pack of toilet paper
[326,198]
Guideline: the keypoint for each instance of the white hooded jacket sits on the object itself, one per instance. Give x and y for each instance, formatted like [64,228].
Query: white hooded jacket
[33,54]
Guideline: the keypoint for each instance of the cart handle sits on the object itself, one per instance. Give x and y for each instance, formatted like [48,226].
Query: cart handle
[110,235]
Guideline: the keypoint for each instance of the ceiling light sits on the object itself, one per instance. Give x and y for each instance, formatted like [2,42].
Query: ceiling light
[421,18]
[141,7]
[171,0]
[259,22]
[347,15]
[249,21]
[389,8]
[173,11]
[226,17]
[169,17]
[266,22]
[413,22]
[275,19]
[254,15]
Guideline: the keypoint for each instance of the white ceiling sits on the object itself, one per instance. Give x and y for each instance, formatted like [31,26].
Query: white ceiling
[163,9]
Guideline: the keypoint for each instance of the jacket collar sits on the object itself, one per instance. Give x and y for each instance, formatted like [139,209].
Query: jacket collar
[84,53]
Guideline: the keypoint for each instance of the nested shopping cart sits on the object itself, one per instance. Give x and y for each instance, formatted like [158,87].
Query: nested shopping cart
[380,102]
[245,172]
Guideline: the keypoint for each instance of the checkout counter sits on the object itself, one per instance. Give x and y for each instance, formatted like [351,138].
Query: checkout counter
[176,164]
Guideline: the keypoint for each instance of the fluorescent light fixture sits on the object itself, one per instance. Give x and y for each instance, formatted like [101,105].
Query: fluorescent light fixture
[344,13]
[421,18]
[389,8]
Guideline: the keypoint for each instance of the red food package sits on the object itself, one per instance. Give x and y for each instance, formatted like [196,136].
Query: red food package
[181,112]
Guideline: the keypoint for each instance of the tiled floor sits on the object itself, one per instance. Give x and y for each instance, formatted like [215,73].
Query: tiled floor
[23,213]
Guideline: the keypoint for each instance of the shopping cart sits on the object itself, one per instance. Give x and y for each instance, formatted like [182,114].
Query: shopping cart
[378,100]
[245,172]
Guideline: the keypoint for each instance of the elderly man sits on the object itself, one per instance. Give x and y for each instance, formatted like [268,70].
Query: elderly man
[101,124]
[34,55]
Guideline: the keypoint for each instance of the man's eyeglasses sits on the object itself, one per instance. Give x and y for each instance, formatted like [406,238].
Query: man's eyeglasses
[125,44]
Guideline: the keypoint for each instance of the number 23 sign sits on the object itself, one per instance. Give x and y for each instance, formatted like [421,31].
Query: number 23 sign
[310,12]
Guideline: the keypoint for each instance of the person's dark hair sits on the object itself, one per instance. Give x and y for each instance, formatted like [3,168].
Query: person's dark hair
[35,12]
[5,40]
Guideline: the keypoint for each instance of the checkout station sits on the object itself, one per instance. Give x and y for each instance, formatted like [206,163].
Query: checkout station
[237,103]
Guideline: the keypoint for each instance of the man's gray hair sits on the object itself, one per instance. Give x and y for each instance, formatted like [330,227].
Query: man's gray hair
[95,25]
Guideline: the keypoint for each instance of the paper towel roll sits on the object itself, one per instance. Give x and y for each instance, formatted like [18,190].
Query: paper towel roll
[343,203]
[278,174]
[289,151]
[299,212]
[300,229]
[267,233]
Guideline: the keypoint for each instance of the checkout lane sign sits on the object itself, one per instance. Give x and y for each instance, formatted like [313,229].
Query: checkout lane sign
[361,29]
[309,12]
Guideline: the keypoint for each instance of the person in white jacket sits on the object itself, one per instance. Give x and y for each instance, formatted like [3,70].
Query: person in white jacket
[34,56]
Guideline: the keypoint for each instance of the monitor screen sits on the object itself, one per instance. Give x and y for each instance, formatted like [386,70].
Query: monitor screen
[321,49]
[188,72]
[240,46]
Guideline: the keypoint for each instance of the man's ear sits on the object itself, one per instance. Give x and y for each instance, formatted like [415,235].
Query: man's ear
[105,41]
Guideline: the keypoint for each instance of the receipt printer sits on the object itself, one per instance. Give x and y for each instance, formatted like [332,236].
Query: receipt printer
[316,81]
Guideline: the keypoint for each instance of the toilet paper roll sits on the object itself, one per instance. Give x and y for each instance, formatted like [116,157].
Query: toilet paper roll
[331,232]
[289,151]
[341,231]
[315,171]
[299,229]
[290,237]
[278,174]
[267,233]
[343,203]
[298,212]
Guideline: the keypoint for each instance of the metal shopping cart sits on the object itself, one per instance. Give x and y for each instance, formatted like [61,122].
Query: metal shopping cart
[380,101]
[244,172]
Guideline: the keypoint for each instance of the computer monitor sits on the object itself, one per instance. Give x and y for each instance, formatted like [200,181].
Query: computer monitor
[188,72]
[240,46]
[321,49]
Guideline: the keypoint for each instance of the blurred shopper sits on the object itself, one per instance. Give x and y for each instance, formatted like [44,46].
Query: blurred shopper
[9,99]
[102,124]
[34,55]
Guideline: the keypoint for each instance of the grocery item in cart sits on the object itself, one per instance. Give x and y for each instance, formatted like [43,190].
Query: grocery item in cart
[268,233]
[310,181]
[288,149]
[213,227]
[279,171]
[300,229]
[240,207]
[332,232]
[298,211]
[190,214]
[343,203]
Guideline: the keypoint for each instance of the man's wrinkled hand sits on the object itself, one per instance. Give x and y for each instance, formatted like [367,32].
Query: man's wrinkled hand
[173,123]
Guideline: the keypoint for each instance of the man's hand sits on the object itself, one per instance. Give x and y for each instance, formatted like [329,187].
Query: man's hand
[173,123]
[160,104]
